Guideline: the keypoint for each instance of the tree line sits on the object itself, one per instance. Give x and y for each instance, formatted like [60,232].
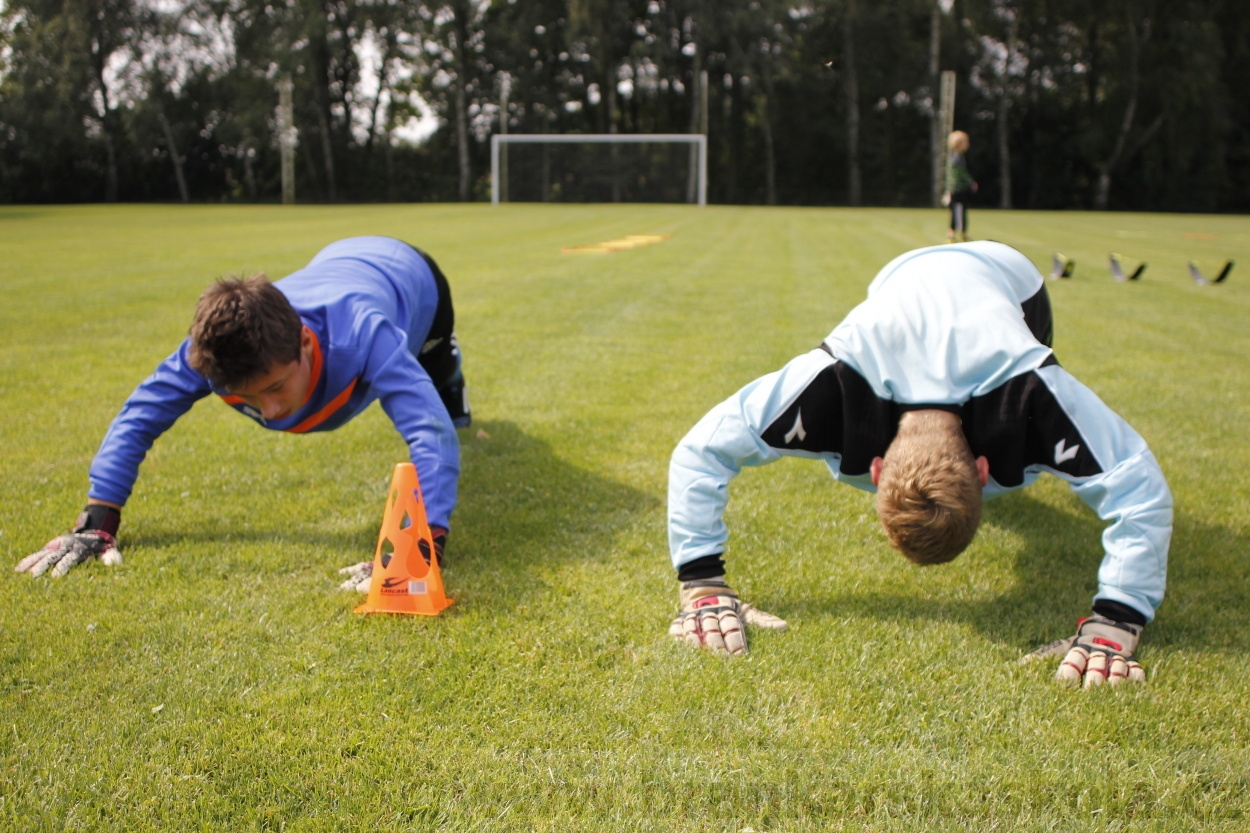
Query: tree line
[1122,104]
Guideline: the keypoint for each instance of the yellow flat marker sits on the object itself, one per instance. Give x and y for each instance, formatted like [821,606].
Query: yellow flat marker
[631,241]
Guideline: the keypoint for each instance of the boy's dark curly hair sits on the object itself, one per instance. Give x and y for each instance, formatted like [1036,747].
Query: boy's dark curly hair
[242,327]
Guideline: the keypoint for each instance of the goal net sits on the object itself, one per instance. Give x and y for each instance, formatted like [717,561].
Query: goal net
[599,167]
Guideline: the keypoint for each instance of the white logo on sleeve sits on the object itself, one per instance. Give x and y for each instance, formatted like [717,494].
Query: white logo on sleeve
[797,430]
[1062,455]
[253,413]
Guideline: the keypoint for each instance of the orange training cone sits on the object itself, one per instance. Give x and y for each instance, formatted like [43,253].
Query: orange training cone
[406,578]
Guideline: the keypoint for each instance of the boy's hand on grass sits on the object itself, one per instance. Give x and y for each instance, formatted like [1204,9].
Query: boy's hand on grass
[713,617]
[360,576]
[1100,652]
[95,534]
[65,552]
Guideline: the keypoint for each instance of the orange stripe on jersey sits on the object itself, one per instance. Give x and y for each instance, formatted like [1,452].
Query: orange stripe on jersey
[315,376]
[326,412]
[231,399]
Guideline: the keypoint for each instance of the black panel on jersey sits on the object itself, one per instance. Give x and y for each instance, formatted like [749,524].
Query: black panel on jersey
[1038,316]
[836,413]
[1018,424]
[1021,424]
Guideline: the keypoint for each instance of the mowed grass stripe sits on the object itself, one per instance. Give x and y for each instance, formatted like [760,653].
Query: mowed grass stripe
[549,696]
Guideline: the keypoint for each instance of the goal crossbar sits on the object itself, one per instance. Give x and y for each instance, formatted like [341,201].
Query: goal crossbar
[699,140]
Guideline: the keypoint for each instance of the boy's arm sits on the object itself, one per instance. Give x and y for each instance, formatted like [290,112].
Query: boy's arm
[153,407]
[1127,489]
[408,396]
[1109,466]
[731,436]
[150,411]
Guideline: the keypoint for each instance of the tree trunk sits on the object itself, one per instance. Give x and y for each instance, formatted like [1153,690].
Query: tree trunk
[110,181]
[249,171]
[319,71]
[462,106]
[175,158]
[614,155]
[1103,193]
[377,100]
[936,144]
[734,127]
[389,155]
[770,162]
[327,152]
[547,173]
[1004,108]
[110,147]
[1004,151]
[310,164]
[851,80]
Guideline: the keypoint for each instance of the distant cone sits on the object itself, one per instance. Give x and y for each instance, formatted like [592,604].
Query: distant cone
[406,577]
[1061,266]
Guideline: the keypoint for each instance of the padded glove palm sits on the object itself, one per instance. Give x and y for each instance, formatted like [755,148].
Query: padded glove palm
[1100,652]
[712,616]
[94,535]
[65,552]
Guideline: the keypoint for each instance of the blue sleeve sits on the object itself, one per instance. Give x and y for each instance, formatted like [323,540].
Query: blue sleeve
[1130,491]
[717,448]
[407,395]
[149,412]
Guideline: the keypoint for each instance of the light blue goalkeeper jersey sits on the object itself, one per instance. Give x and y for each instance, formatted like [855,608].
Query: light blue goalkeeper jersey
[370,302]
[941,327]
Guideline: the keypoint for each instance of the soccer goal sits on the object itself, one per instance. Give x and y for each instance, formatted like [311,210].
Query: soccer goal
[598,167]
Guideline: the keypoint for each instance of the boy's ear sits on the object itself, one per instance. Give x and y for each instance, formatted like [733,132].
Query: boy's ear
[305,341]
[983,471]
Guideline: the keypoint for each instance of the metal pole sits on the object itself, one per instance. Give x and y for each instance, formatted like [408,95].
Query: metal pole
[494,169]
[703,171]
[506,87]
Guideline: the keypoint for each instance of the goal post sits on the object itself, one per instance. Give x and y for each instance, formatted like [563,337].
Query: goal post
[697,141]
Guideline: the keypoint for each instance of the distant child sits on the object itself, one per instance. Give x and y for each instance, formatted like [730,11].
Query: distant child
[960,186]
[369,318]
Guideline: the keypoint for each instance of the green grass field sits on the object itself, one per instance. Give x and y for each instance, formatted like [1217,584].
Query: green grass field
[219,680]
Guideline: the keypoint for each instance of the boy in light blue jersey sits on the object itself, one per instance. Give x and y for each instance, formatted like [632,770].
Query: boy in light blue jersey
[937,391]
[369,318]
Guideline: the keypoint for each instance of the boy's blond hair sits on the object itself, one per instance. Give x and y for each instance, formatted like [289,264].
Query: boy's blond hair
[929,494]
[958,141]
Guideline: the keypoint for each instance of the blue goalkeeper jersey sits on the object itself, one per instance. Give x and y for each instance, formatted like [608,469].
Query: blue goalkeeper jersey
[945,327]
[369,302]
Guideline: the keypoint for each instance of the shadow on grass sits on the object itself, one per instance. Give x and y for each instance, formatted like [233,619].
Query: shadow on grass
[521,511]
[1207,605]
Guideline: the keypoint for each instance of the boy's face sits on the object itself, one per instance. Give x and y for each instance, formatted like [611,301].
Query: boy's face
[283,389]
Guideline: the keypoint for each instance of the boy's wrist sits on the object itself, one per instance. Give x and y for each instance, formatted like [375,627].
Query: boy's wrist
[99,516]
[91,501]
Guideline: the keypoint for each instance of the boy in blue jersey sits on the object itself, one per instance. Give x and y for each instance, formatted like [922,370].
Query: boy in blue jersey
[369,318]
[937,391]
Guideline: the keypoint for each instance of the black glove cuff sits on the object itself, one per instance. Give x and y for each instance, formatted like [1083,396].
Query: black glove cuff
[705,567]
[97,516]
[1119,612]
